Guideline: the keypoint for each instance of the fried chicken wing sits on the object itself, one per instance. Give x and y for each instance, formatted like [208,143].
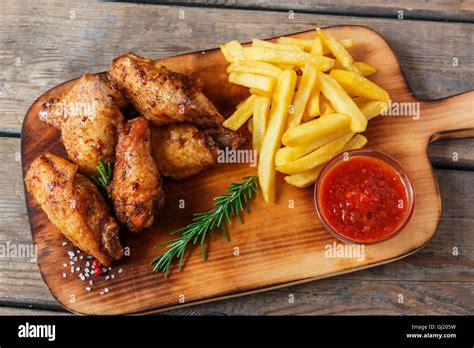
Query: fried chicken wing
[136,185]
[88,116]
[181,150]
[74,205]
[164,96]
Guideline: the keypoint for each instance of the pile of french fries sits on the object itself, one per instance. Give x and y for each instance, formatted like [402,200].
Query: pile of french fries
[309,96]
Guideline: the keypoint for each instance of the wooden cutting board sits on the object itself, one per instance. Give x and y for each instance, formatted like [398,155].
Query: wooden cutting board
[279,244]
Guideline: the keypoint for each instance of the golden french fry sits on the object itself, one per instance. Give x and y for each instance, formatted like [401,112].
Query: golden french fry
[306,117]
[241,103]
[365,69]
[358,142]
[317,48]
[304,179]
[360,101]
[264,83]
[373,109]
[278,46]
[307,178]
[311,130]
[325,106]
[260,93]
[261,112]
[308,80]
[254,67]
[287,57]
[317,157]
[250,125]
[341,101]
[226,54]
[305,44]
[313,102]
[235,50]
[286,66]
[359,85]
[288,154]
[241,115]
[346,43]
[282,97]
[338,51]
[308,44]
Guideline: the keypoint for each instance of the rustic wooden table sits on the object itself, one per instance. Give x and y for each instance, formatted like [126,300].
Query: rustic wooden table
[45,43]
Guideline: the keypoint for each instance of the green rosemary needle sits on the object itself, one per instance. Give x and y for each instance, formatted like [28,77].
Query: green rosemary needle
[103,178]
[226,206]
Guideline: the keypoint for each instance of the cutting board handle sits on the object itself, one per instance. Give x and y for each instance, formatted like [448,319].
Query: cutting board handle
[452,117]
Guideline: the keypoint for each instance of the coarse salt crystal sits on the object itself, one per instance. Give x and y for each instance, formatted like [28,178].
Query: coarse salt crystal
[88,264]
[71,263]
[106,289]
[120,270]
[72,269]
[64,243]
[91,282]
[101,293]
[112,276]
[88,289]
[82,277]
[64,275]
[74,258]
[107,278]
[78,269]
[78,251]
[71,254]
[64,264]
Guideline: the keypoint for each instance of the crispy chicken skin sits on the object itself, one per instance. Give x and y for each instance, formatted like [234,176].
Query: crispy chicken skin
[164,96]
[74,205]
[136,185]
[88,116]
[181,150]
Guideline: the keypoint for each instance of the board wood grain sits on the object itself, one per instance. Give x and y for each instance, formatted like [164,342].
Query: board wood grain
[278,245]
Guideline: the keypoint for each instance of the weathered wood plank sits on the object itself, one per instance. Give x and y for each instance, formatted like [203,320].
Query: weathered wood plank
[433,275]
[20,280]
[339,296]
[44,44]
[448,153]
[29,312]
[452,11]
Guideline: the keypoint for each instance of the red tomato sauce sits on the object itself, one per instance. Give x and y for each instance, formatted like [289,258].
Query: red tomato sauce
[363,199]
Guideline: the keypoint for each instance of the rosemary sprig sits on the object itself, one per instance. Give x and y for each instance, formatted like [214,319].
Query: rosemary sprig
[226,206]
[103,178]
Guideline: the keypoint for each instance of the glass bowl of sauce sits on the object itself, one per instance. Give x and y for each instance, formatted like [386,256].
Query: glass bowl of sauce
[364,196]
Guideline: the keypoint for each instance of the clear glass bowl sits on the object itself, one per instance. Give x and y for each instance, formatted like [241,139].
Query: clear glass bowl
[371,153]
